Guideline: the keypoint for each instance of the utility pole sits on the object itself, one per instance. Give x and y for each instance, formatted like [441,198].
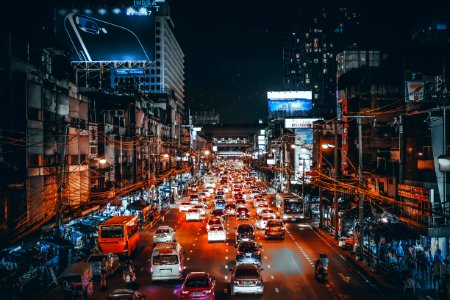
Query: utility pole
[320,182]
[361,181]
[335,176]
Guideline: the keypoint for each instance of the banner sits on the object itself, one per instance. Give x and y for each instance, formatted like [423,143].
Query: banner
[414,91]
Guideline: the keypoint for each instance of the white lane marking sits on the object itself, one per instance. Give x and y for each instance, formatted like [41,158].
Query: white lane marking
[188,258]
[193,245]
[190,251]
[277,290]
[175,291]
[226,266]
[268,266]
[226,277]
[265,257]
[225,291]
[272,277]
[226,257]
[226,250]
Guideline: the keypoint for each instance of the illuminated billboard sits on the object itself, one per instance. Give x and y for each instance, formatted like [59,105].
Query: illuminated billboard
[107,34]
[299,123]
[289,104]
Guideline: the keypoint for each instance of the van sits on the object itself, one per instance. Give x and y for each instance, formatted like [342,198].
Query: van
[167,262]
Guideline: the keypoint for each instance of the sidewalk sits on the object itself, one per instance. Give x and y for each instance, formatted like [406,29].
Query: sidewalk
[378,280]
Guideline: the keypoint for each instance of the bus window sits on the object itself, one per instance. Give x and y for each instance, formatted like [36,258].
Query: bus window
[112,231]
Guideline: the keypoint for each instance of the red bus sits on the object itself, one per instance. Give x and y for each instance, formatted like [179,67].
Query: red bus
[119,235]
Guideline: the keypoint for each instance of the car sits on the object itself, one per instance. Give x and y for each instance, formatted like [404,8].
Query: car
[164,234]
[236,191]
[217,232]
[230,209]
[261,207]
[219,204]
[248,252]
[201,209]
[242,213]
[198,285]
[245,232]
[184,206]
[219,213]
[95,260]
[193,214]
[268,211]
[241,203]
[219,197]
[207,191]
[202,196]
[274,229]
[213,221]
[261,221]
[193,199]
[246,279]
[125,294]
[221,193]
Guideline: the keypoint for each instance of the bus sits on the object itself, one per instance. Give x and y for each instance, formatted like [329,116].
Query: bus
[119,235]
[290,207]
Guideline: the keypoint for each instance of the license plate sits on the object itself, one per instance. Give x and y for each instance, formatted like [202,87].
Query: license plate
[248,283]
[196,294]
[293,219]
[248,254]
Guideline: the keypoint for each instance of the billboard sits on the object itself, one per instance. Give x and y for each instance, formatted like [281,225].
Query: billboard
[299,123]
[107,34]
[289,104]
[414,91]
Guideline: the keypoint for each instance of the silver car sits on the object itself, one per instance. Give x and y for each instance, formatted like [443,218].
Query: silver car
[164,234]
[112,263]
[247,279]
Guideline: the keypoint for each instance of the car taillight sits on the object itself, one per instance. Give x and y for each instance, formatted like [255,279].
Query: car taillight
[256,252]
[268,227]
[240,252]
[180,269]
[151,270]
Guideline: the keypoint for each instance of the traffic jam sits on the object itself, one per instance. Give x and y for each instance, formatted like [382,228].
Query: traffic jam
[235,208]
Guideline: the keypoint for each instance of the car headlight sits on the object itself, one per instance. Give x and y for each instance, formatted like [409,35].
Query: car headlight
[184,292]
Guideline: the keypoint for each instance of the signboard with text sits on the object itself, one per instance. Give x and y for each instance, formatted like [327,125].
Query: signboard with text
[299,123]
[414,91]
[285,104]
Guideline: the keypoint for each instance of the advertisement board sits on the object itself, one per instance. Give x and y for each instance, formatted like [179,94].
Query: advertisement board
[106,34]
[289,104]
[414,91]
[299,123]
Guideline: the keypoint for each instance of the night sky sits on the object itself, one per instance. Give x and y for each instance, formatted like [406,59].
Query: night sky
[233,49]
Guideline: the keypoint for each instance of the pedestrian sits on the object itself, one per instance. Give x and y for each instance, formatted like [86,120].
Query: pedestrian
[409,286]
[103,274]
[437,272]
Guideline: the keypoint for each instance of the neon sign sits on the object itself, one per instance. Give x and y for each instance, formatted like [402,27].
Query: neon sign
[146,3]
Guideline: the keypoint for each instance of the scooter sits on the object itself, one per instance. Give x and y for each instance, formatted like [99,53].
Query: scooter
[129,277]
[321,272]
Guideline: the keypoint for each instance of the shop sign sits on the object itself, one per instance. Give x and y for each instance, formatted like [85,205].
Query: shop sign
[413,192]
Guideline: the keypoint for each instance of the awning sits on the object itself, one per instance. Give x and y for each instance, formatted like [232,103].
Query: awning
[115,202]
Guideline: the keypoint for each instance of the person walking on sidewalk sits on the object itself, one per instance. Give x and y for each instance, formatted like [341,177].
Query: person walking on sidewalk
[103,271]
[437,272]
[409,286]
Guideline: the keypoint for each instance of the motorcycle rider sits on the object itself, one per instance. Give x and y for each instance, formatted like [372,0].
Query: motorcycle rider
[322,262]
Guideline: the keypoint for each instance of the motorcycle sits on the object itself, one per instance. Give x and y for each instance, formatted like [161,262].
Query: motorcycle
[321,272]
[129,276]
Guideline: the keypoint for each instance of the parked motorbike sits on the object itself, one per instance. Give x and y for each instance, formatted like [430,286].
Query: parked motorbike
[129,276]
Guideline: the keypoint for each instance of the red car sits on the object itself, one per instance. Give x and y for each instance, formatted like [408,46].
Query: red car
[198,285]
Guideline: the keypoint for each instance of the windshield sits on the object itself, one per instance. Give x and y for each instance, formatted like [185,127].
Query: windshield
[197,282]
[293,207]
[165,260]
[247,272]
[248,247]
[162,230]
[111,231]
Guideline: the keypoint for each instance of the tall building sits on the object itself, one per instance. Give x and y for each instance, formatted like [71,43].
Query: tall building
[309,60]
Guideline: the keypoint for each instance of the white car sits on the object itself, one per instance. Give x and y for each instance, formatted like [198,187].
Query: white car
[217,233]
[164,234]
[268,212]
[261,207]
[213,221]
[206,191]
[200,208]
[184,206]
[193,215]
[261,221]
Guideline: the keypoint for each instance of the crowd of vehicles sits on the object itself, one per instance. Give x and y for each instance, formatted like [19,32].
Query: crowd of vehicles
[231,191]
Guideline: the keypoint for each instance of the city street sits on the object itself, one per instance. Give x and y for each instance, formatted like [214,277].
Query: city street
[288,265]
